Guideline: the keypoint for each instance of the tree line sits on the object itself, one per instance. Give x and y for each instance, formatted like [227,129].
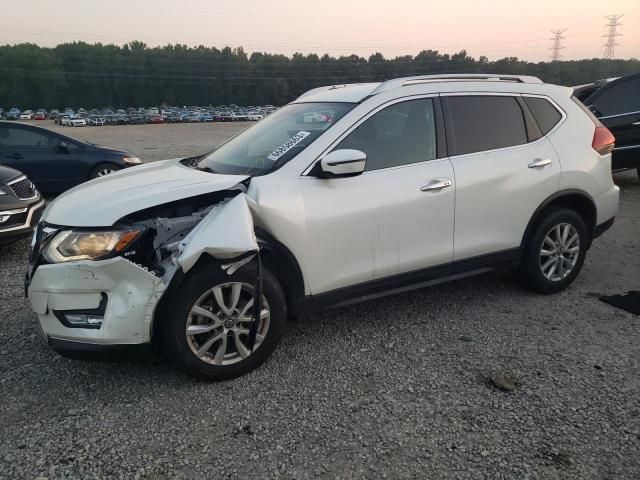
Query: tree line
[86,75]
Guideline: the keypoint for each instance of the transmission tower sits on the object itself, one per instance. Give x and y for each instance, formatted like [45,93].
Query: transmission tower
[612,33]
[557,44]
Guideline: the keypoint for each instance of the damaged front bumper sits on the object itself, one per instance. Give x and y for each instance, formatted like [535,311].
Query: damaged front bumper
[85,304]
[119,295]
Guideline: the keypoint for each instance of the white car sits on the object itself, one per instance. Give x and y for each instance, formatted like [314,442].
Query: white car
[27,115]
[74,121]
[405,184]
[255,116]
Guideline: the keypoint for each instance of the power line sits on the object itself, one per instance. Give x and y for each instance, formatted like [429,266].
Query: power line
[557,44]
[612,33]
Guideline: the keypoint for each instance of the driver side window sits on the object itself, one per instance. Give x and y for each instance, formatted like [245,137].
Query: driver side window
[400,134]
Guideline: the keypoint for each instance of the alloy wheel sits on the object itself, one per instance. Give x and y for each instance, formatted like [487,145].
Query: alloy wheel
[217,327]
[559,252]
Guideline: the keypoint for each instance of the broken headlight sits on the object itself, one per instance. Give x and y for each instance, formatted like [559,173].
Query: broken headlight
[70,245]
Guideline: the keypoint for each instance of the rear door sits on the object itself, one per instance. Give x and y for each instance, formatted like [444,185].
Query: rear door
[617,106]
[504,169]
[41,156]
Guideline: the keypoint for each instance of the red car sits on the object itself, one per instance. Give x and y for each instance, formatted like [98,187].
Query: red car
[40,115]
[155,118]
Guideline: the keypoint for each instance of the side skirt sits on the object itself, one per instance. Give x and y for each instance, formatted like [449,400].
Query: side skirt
[412,280]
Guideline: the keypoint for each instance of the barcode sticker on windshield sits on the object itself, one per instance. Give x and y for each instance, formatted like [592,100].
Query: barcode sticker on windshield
[288,145]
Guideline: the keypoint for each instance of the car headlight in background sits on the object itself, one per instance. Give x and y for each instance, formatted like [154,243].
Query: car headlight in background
[69,245]
[132,160]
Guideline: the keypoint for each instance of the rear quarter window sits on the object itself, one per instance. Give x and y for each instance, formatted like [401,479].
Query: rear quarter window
[547,116]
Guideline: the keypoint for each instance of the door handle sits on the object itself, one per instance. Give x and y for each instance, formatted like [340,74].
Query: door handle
[635,123]
[15,156]
[540,163]
[437,184]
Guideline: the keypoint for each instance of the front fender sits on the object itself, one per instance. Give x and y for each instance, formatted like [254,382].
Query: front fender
[225,233]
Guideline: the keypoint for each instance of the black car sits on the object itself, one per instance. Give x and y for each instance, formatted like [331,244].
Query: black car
[20,205]
[55,162]
[616,103]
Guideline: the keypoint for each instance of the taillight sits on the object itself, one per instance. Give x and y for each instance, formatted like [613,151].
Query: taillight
[603,140]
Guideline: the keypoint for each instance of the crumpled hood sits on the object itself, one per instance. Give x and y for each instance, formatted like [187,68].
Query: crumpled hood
[103,201]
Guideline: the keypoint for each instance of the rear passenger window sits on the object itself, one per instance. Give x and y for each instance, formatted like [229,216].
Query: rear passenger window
[547,116]
[478,123]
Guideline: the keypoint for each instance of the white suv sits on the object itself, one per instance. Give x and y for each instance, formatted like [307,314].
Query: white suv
[348,193]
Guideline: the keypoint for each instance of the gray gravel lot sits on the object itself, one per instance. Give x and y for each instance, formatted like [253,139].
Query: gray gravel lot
[391,388]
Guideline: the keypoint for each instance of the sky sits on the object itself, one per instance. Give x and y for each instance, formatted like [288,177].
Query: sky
[494,28]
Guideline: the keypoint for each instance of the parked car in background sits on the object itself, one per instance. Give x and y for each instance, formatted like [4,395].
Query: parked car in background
[202,262]
[13,114]
[135,118]
[78,121]
[616,103]
[1,113]
[41,114]
[54,114]
[20,205]
[96,120]
[26,115]
[118,119]
[255,116]
[155,118]
[55,162]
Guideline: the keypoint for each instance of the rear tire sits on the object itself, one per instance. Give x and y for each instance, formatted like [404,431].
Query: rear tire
[220,352]
[554,252]
[103,169]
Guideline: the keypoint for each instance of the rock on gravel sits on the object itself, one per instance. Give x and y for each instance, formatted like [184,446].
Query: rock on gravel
[334,401]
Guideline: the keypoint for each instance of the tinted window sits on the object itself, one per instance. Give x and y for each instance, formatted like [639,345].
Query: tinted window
[20,137]
[544,112]
[480,123]
[622,97]
[400,134]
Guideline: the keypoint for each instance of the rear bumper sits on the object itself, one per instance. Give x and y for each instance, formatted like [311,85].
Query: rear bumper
[603,227]
[607,204]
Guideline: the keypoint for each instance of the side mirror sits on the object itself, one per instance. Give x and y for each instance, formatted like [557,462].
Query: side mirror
[62,147]
[342,163]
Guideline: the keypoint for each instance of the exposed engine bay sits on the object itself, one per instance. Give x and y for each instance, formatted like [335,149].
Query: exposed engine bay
[167,226]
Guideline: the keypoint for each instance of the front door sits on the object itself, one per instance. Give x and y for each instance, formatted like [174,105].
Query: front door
[396,217]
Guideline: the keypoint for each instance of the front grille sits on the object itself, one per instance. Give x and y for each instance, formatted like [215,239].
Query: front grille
[24,189]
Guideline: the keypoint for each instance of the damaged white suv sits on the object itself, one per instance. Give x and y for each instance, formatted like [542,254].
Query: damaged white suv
[349,192]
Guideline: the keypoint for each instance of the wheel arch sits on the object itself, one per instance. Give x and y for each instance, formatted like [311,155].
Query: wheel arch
[279,260]
[577,200]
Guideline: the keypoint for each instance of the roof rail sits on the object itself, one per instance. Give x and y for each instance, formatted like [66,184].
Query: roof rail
[401,82]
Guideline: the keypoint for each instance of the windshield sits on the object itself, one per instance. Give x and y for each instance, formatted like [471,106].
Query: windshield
[275,140]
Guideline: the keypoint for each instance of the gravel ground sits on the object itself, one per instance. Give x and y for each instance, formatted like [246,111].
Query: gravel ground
[391,388]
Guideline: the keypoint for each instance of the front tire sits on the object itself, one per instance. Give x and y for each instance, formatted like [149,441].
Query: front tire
[205,329]
[103,169]
[555,251]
